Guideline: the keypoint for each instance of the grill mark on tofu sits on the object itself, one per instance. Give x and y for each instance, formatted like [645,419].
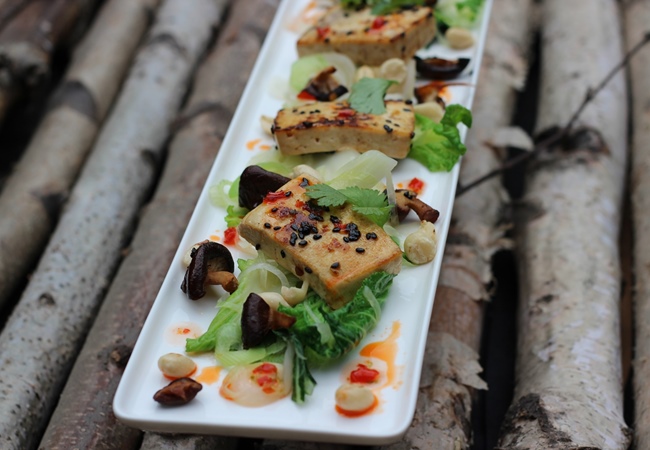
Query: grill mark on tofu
[369,39]
[337,127]
[336,267]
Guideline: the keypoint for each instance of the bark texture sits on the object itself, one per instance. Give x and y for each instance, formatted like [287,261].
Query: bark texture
[84,416]
[637,24]
[47,327]
[35,192]
[154,441]
[568,392]
[450,373]
[28,41]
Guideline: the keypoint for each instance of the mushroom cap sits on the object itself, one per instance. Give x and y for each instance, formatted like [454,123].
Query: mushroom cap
[258,319]
[255,183]
[439,68]
[208,257]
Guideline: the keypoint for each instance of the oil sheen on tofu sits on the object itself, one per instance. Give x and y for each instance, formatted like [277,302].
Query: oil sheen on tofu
[332,126]
[368,39]
[333,250]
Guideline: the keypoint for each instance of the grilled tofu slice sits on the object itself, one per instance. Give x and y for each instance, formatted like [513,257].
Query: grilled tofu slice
[369,39]
[332,126]
[333,250]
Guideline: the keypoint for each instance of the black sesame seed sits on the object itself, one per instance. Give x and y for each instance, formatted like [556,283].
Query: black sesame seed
[274,209]
[277,227]
[304,182]
[307,124]
[371,236]
[336,230]
[317,237]
[257,246]
[282,253]
[335,219]
[346,239]
[287,194]
[267,225]
[293,239]
[302,243]
[360,250]
[308,269]
[412,134]
[408,102]
[335,265]
[388,129]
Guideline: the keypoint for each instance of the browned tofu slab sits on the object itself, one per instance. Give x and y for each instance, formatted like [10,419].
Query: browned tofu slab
[369,39]
[332,126]
[333,250]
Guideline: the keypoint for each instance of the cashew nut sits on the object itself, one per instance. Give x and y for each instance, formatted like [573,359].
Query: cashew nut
[393,69]
[364,72]
[354,397]
[175,365]
[294,295]
[421,245]
[459,38]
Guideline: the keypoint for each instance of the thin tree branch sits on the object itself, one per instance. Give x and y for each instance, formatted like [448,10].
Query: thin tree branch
[564,131]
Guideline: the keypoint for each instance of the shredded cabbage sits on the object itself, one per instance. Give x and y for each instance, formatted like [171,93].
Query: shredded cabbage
[365,171]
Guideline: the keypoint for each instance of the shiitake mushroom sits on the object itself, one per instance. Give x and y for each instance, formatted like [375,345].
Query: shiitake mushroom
[439,68]
[255,183]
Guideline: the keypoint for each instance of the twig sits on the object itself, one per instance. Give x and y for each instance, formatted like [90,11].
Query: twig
[564,131]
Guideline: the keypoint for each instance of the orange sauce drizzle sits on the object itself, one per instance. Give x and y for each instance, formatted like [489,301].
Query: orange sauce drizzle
[250,145]
[348,413]
[385,350]
[209,375]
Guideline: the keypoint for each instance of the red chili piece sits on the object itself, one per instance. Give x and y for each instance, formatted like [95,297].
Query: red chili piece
[416,185]
[347,112]
[304,95]
[364,374]
[230,236]
[322,32]
[378,23]
[274,196]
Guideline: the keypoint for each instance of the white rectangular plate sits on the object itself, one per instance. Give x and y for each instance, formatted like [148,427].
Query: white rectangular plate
[408,305]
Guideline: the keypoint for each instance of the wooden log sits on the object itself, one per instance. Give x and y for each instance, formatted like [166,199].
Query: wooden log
[33,195]
[84,415]
[154,441]
[46,329]
[568,392]
[10,8]
[451,369]
[637,25]
[28,42]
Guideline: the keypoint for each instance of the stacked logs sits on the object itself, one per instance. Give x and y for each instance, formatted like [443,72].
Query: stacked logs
[83,185]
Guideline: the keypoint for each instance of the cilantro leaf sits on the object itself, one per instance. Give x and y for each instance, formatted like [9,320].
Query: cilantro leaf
[437,145]
[326,195]
[367,95]
[368,202]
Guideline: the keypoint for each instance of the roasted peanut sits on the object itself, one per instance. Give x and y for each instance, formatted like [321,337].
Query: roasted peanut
[393,69]
[364,72]
[432,110]
[175,365]
[354,397]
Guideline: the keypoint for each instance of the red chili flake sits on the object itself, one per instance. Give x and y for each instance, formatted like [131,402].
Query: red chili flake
[322,32]
[304,95]
[230,236]
[378,23]
[347,112]
[364,374]
[274,196]
[416,185]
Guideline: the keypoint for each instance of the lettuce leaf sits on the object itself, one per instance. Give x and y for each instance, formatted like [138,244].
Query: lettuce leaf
[437,146]
[458,13]
[349,324]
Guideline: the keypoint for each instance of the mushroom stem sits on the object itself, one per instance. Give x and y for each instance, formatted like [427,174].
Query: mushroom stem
[225,279]
[407,200]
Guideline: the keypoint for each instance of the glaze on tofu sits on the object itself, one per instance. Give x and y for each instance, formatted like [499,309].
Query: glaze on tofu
[334,249]
[332,126]
[368,39]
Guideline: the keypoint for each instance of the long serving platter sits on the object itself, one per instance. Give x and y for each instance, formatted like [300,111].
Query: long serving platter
[402,330]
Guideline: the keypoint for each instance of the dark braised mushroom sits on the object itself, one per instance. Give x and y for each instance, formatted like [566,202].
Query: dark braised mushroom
[258,319]
[255,183]
[439,68]
[324,87]
[178,392]
[212,264]
[407,200]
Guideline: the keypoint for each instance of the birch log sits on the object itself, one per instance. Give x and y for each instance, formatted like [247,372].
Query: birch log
[568,391]
[47,327]
[637,24]
[29,40]
[84,418]
[32,197]
[451,368]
